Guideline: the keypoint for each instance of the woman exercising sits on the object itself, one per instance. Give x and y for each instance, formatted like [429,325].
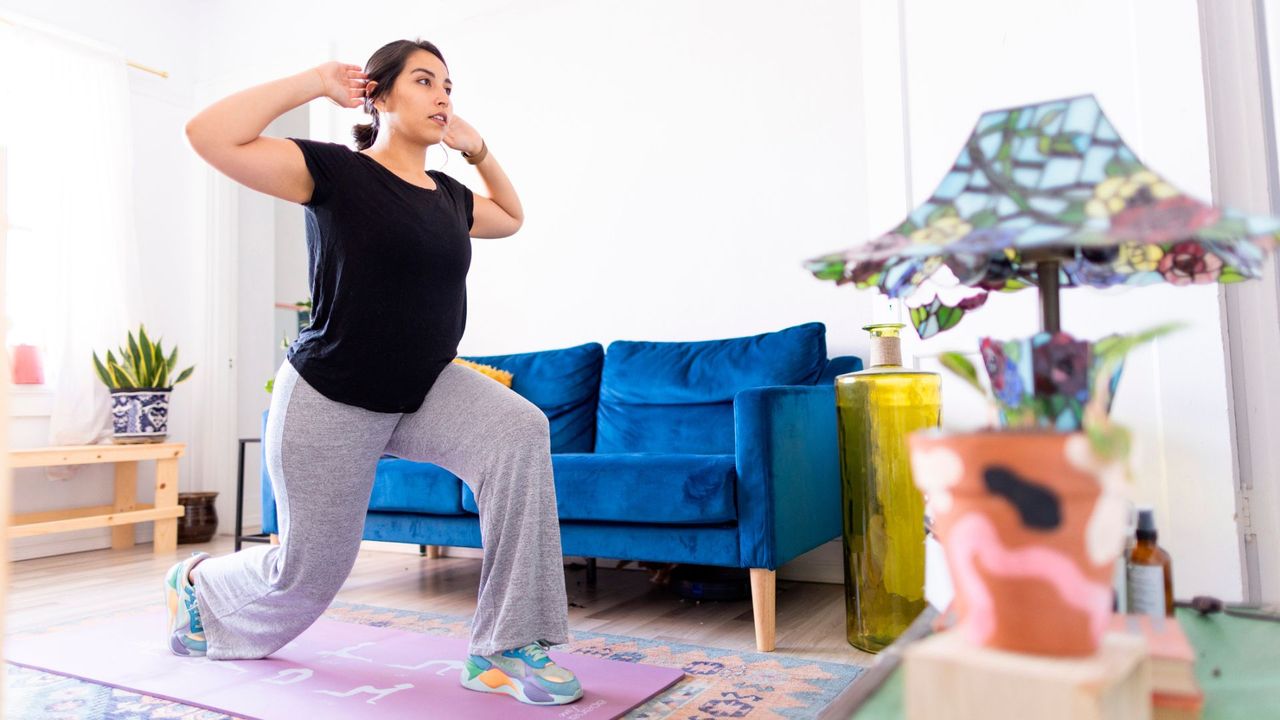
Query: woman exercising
[389,246]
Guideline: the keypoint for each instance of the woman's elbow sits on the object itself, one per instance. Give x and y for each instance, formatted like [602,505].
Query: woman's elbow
[197,136]
[507,226]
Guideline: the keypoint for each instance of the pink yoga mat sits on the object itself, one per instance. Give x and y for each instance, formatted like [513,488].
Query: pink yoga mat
[333,670]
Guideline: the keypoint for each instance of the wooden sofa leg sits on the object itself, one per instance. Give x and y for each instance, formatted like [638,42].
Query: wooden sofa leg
[435,552]
[275,539]
[763,583]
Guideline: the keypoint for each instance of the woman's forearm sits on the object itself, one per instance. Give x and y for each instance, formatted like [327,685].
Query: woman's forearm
[499,187]
[241,118]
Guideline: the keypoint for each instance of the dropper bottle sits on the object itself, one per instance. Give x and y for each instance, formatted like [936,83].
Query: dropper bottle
[1149,571]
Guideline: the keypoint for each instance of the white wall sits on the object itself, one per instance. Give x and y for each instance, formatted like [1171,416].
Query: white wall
[1142,60]
[677,162]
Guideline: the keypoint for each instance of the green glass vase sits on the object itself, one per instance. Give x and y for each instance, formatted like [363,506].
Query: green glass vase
[883,510]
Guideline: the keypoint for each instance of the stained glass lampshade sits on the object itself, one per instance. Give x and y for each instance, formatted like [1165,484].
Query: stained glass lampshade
[1048,195]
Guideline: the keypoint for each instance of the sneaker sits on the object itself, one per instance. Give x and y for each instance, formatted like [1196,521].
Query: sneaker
[185,633]
[526,674]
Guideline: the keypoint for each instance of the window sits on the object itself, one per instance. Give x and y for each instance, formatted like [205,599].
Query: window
[31,258]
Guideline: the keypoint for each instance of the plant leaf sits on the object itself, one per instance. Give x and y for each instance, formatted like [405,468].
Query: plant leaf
[134,352]
[102,370]
[146,372]
[960,365]
[126,378]
[159,369]
[185,374]
[1109,440]
[1114,348]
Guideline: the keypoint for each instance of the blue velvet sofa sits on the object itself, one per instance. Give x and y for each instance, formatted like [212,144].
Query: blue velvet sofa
[718,452]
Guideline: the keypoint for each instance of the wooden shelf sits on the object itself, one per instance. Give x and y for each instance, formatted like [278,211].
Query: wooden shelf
[86,518]
[89,454]
[126,510]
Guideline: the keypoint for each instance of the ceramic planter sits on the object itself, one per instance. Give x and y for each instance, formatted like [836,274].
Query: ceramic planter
[1032,523]
[140,415]
[200,521]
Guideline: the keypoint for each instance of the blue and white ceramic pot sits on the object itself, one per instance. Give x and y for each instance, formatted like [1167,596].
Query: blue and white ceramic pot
[140,415]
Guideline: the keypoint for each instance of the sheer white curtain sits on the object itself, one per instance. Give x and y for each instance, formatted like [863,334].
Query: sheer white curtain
[73,271]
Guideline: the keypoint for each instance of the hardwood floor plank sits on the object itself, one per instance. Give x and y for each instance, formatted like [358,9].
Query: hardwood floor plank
[55,590]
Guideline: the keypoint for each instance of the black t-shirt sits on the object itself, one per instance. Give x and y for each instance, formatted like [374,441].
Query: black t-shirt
[388,271]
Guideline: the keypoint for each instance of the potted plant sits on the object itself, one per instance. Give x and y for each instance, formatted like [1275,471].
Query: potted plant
[1034,512]
[303,310]
[140,383]
[1031,515]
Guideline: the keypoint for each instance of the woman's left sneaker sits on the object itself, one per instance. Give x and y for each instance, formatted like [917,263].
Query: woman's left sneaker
[185,633]
[526,674]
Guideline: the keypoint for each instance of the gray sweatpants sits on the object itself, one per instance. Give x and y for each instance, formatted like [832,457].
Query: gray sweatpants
[322,456]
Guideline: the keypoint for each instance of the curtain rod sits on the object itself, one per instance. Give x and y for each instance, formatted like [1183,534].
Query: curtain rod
[130,63]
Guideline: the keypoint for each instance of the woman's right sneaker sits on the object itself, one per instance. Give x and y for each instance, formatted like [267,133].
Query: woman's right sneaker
[526,674]
[185,633]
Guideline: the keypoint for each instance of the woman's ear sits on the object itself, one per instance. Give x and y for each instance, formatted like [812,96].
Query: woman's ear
[368,93]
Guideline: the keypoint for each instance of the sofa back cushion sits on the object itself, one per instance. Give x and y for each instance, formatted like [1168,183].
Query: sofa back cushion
[677,397]
[564,384]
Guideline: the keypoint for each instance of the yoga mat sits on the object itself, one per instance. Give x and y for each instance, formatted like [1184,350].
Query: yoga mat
[333,670]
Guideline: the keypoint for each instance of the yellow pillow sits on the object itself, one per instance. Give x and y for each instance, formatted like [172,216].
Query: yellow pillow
[501,376]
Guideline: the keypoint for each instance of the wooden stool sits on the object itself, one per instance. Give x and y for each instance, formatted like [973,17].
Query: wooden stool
[126,510]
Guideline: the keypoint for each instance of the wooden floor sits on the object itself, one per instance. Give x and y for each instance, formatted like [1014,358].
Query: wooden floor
[53,590]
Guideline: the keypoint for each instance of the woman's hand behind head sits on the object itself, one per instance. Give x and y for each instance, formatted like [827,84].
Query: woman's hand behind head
[344,84]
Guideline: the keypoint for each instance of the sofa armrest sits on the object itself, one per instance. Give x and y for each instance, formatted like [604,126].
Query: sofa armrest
[788,463]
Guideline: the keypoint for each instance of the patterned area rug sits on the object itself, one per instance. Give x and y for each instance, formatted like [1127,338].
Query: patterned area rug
[717,683]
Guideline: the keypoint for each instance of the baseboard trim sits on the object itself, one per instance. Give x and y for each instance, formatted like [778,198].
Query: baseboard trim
[32,548]
[823,564]
[810,567]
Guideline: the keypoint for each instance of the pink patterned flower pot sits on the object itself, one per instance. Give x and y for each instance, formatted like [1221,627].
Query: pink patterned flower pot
[1031,524]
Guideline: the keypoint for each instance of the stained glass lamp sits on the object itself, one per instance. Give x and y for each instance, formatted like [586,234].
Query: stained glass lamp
[1048,195]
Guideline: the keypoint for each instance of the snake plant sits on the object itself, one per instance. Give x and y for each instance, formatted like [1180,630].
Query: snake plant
[142,365]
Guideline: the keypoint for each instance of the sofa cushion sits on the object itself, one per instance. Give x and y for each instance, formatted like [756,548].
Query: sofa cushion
[642,488]
[564,384]
[677,397]
[838,366]
[406,486]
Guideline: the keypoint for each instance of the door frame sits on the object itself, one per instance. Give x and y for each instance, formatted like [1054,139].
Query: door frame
[1243,165]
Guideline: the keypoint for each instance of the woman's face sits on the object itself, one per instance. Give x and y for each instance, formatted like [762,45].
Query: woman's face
[418,105]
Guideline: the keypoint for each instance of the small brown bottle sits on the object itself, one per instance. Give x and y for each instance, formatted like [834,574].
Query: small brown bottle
[1149,571]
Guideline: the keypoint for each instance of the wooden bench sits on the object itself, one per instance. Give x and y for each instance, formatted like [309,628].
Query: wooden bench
[126,510]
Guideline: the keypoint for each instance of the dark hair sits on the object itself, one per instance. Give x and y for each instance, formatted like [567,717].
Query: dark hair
[384,67]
